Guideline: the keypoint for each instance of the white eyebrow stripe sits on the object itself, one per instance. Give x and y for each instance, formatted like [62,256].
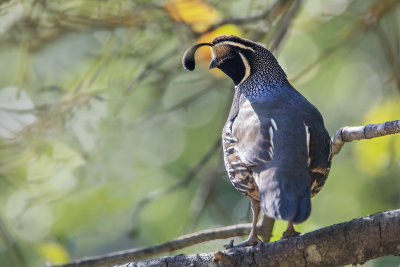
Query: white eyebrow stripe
[246,67]
[236,44]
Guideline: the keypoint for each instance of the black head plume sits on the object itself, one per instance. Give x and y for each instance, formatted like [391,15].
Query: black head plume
[188,61]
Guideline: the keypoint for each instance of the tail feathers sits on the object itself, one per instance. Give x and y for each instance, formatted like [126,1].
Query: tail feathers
[284,197]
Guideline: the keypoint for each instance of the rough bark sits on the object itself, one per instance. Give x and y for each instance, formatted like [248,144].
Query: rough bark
[353,242]
[264,228]
[322,247]
[224,232]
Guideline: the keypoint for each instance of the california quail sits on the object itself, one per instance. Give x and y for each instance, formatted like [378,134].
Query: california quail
[276,148]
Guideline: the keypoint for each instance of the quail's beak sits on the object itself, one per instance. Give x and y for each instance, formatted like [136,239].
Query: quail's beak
[213,63]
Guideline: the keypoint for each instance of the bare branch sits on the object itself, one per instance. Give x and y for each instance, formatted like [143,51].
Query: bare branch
[287,20]
[178,243]
[352,242]
[143,74]
[348,134]
[356,241]
[308,243]
[389,51]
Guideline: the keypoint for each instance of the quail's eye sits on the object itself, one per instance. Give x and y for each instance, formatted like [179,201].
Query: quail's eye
[230,53]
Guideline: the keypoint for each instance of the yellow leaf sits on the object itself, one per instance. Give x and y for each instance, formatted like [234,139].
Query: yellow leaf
[203,55]
[200,16]
[54,253]
[196,13]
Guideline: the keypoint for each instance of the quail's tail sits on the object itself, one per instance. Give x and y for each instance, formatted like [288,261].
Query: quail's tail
[284,196]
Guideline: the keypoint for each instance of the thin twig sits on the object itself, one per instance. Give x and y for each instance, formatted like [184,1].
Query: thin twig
[287,20]
[343,135]
[143,74]
[369,237]
[348,134]
[178,243]
[389,52]
[355,241]
[182,104]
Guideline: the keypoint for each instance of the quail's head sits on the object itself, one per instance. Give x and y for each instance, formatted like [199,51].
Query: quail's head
[237,57]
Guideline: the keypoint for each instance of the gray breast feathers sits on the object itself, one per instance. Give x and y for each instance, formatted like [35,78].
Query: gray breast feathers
[255,135]
[248,145]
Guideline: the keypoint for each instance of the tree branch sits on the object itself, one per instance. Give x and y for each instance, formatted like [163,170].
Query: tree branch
[178,243]
[352,242]
[311,244]
[348,134]
[287,20]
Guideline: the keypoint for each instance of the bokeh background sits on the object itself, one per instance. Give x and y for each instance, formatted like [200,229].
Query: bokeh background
[106,143]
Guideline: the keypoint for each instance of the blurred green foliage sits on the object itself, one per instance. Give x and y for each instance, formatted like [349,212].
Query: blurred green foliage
[100,124]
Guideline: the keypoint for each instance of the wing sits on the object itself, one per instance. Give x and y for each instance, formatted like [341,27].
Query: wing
[254,133]
[320,156]
[272,142]
[247,145]
[318,145]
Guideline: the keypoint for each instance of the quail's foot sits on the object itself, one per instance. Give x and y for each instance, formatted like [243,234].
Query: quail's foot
[292,233]
[251,241]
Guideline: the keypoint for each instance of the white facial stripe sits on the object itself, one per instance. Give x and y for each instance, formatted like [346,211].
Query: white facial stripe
[212,53]
[246,67]
[242,46]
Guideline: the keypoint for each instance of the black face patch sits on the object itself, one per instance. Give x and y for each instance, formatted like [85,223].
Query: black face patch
[233,66]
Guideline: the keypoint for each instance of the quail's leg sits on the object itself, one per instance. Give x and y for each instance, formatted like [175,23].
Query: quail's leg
[253,239]
[290,231]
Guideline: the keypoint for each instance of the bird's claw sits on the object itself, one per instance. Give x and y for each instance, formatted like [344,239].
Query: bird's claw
[290,233]
[230,245]
[251,241]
